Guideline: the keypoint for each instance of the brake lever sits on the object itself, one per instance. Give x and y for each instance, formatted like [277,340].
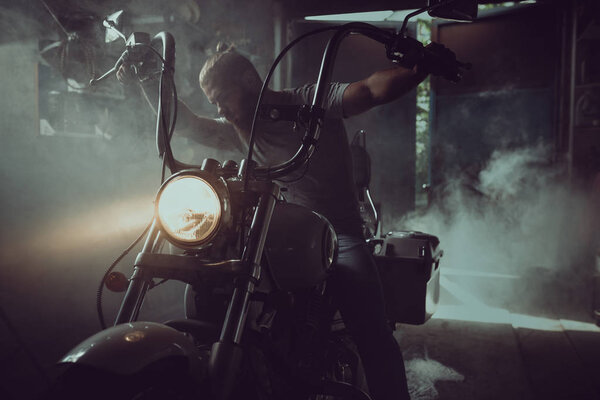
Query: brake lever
[111,71]
[137,46]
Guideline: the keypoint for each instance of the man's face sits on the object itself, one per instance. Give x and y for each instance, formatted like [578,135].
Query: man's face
[234,103]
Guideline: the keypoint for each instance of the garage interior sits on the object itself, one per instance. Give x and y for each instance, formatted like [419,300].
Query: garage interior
[503,167]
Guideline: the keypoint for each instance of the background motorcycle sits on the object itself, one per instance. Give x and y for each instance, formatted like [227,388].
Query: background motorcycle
[261,321]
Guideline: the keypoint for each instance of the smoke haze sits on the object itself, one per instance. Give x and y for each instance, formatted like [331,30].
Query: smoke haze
[517,222]
[514,233]
[79,168]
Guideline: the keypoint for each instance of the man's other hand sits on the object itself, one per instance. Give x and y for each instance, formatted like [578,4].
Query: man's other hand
[126,74]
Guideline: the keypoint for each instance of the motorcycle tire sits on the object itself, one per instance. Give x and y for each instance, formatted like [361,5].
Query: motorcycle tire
[166,379]
[347,380]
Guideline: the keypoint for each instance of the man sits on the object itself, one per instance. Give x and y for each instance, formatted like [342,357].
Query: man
[326,185]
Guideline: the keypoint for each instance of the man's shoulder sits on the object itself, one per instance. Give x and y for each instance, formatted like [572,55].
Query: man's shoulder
[304,95]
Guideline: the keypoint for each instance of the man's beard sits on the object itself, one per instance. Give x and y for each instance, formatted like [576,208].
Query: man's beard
[244,121]
[243,125]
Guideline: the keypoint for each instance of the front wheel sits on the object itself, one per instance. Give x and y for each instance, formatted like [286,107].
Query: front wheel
[166,379]
[345,378]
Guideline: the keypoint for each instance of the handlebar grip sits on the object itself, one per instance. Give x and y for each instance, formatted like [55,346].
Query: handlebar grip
[405,50]
[438,60]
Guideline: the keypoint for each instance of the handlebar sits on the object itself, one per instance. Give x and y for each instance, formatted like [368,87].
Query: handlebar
[316,111]
[399,48]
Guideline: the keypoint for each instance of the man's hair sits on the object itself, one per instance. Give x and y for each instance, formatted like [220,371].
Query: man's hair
[226,66]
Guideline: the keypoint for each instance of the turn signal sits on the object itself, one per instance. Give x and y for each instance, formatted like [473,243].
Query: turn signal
[116,282]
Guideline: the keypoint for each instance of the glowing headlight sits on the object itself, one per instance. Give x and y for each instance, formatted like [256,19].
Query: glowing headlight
[189,209]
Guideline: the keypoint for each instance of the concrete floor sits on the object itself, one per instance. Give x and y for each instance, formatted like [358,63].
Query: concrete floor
[469,350]
[473,351]
[449,359]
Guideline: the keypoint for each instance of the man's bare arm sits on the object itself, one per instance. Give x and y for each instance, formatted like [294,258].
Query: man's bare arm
[379,88]
[206,131]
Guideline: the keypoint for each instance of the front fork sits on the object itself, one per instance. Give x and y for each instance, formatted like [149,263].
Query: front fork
[140,281]
[226,354]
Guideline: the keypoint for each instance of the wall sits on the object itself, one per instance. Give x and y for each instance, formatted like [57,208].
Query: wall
[508,99]
[503,200]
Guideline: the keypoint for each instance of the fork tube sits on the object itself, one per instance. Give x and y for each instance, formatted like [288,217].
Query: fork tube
[138,284]
[226,354]
[235,319]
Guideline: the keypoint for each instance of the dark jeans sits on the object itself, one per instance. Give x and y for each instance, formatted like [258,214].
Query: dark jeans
[358,294]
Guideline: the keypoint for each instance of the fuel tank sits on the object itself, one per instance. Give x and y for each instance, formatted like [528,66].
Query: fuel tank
[300,248]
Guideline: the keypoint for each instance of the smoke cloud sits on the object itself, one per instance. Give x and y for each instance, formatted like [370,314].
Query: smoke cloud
[422,375]
[514,234]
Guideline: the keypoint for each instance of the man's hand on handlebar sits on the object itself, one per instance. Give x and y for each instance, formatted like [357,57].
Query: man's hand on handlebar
[435,58]
[438,60]
[126,75]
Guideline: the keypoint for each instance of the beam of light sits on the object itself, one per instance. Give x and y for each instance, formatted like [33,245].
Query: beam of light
[537,323]
[462,295]
[76,232]
[398,15]
[492,315]
[370,16]
[473,310]
[506,4]
[578,326]
[478,274]
[488,315]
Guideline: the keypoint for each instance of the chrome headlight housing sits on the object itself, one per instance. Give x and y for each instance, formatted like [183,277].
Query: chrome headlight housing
[191,207]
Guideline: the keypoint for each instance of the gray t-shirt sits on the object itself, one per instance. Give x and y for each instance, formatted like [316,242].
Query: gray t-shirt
[325,184]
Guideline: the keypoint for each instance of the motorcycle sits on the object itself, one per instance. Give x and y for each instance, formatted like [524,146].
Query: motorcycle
[260,319]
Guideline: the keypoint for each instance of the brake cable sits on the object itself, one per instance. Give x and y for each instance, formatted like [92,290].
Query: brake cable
[136,241]
[264,87]
[109,270]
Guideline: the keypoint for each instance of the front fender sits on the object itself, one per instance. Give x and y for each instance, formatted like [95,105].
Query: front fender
[128,348]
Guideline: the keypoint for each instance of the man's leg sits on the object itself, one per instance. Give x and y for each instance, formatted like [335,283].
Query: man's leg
[359,296]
